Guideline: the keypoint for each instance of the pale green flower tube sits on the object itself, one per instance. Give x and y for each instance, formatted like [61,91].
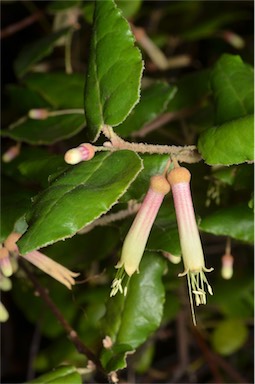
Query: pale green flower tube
[136,239]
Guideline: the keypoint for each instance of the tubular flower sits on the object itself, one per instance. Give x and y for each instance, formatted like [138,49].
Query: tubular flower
[46,264]
[192,253]
[84,152]
[138,234]
[52,268]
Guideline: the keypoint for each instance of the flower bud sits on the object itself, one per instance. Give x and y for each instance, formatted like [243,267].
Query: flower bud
[227,266]
[84,152]
[38,114]
[4,315]
[5,263]
[11,153]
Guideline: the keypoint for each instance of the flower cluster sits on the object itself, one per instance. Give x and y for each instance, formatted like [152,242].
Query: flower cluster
[178,180]
[9,253]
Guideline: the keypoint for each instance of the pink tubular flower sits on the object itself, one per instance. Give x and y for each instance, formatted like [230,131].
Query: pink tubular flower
[136,239]
[11,153]
[192,252]
[52,268]
[38,114]
[46,264]
[84,152]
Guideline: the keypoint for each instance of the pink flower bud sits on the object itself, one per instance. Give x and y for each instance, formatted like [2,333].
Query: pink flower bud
[192,252]
[5,262]
[227,266]
[84,152]
[136,239]
[233,39]
[11,153]
[38,114]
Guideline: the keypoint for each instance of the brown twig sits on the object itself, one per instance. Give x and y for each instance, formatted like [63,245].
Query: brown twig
[164,119]
[14,28]
[78,343]
[111,218]
[215,360]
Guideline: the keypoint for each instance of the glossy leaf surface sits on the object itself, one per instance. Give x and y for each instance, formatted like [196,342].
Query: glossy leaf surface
[61,375]
[229,143]
[229,336]
[232,85]
[48,131]
[14,203]
[114,71]
[78,196]
[154,101]
[34,52]
[131,319]
[235,221]
[58,88]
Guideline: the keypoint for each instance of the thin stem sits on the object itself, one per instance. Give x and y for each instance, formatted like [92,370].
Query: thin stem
[68,53]
[78,343]
[77,111]
[24,23]
[188,153]
[214,360]
[107,219]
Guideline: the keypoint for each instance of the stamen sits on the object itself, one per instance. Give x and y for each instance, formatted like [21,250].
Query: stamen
[117,282]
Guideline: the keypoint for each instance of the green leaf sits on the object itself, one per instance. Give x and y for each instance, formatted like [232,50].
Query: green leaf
[241,304]
[164,235]
[48,131]
[191,89]
[233,88]
[154,101]
[39,167]
[235,221]
[61,375]
[131,319]
[15,200]
[205,29]
[62,5]
[152,165]
[34,52]
[114,71]
[229,336]
[79,196]
[229,143]
[59,89]
[22,99]
[129,8]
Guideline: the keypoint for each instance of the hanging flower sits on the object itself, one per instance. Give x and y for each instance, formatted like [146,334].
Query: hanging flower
[46,264]
[136,239]
[227,261]
[192,253]
[5,262]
